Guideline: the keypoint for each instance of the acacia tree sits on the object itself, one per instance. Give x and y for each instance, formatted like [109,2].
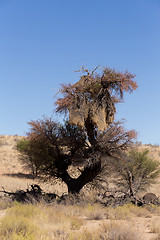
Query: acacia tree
[90,138]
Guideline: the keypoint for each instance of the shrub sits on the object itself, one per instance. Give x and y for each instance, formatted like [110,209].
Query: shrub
[94,212]
[138,171]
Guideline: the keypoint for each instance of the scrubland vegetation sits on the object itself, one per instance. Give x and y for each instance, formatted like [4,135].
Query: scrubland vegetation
[65,222]
[76,222]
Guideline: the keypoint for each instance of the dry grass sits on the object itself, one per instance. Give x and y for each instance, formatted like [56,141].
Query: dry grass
[95,212]
[37,222]
[57,222]
[120,232]
[107,232]
[76,222]
[126,212]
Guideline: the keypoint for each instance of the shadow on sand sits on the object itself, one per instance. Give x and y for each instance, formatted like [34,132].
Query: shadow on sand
[20,175]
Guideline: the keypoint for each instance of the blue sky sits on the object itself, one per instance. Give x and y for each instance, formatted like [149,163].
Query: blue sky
[43,42]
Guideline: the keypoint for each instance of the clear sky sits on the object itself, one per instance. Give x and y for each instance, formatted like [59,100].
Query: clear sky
[42,43]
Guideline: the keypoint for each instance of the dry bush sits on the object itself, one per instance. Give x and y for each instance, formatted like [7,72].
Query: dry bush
[90,211]
[121,212]
[127,211]
[61,216]
[95,212]
[138,211]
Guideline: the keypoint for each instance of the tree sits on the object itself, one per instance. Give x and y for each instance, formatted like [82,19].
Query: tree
[90,138]
[32,154]
[139,170]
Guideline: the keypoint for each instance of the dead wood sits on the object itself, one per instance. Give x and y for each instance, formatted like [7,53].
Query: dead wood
[31,195]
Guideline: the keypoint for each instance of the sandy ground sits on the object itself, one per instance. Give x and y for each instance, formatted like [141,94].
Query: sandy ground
[140,226]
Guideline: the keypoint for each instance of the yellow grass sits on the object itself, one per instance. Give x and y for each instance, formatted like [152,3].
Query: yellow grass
[34,222]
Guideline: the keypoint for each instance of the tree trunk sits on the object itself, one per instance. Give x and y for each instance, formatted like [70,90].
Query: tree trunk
[130,180]
[91,133]
[76,184]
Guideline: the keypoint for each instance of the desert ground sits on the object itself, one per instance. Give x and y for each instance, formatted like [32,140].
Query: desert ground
[128,222]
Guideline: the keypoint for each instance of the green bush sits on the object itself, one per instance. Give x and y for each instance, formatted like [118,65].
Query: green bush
[137,171]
